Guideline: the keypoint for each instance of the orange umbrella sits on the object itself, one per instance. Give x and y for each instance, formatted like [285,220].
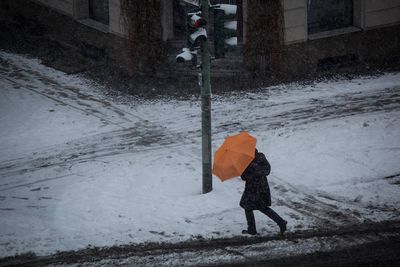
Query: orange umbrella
[234,155]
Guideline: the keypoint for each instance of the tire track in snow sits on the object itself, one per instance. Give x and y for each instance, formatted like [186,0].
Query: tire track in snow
[341,106]
[84,111]
[148,137]
[125,141]
[325,212]
[66,95]
[153,137]
[136,134]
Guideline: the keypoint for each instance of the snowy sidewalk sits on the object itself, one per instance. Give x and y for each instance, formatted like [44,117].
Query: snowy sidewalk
[369,243]
[80,168]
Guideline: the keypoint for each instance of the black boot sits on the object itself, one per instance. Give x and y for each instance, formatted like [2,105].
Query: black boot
[251,223]
[249,232]
[276,218]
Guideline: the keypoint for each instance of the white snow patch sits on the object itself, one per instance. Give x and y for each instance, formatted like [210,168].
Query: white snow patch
[153,191]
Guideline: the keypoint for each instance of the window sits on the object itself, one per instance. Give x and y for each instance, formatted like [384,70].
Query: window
[99,11]
[327,15]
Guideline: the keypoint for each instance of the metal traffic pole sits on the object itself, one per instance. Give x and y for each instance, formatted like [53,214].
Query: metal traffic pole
[206,104]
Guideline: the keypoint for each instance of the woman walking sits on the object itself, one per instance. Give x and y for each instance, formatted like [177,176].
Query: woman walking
[256,195]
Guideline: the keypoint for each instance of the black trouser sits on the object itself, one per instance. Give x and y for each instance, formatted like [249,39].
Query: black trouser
[251,222]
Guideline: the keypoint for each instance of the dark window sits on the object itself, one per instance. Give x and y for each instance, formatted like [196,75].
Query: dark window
[326,15]
[98,10]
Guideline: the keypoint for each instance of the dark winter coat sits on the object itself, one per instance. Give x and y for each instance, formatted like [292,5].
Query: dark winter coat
[256,194]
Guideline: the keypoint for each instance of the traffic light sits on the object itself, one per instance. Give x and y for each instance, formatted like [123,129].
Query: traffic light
[186,56]
[225,29]
[195,34]
[195,29]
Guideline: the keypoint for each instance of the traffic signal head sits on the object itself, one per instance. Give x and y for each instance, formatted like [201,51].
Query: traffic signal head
[196,32]
[187,56]
[195,20]
[225,29]
[195,28]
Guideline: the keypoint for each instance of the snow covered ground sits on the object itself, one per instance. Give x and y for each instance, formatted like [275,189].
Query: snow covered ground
[79,168]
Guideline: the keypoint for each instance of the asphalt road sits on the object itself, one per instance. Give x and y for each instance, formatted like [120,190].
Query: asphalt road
[369,244]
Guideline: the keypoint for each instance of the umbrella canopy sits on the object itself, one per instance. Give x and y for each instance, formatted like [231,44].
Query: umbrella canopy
[234,155]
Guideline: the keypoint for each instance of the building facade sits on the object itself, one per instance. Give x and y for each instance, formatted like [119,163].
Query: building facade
[318,34]
[304,19]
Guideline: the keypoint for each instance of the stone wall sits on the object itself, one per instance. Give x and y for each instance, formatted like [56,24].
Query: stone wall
[377,47]
[52,30]
[380,13]
[295,15]
[264,36]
